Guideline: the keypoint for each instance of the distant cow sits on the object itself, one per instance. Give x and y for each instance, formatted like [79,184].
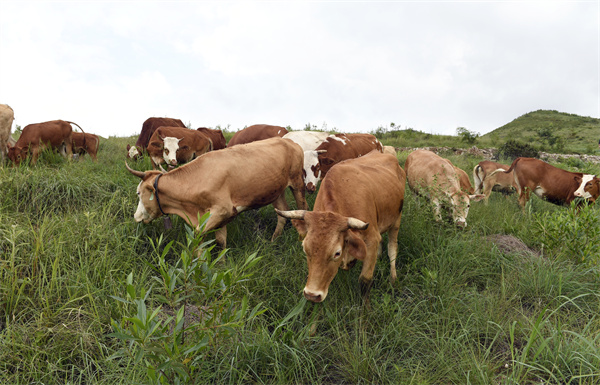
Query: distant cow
[7,115]
[389,150]
[436,178]
[309,141]
[550,183]
[148,128]
[359,200]
[486,183]
[225,183]
[256,132]
[35,137]
[465,183]
[216,136]
[86,143]
[176,145]
[336,148]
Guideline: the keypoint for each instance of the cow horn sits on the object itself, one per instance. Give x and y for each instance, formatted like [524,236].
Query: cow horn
[357,224]
[139,174]
[161,168]
[292,214]
[321,151]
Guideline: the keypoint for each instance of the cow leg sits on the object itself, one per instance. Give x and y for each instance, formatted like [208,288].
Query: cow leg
[221,237]
[366,275]
[437,209]
[524,197]
[487,191]
[300,197]
[35,154]
[69,148]
[280,204]
[393,248]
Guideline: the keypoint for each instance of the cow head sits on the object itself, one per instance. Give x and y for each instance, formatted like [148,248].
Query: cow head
[17,154]
[312,170]
[461,202]
[171,146]
[133,152]
[147,209]
[330,243]
[589,187]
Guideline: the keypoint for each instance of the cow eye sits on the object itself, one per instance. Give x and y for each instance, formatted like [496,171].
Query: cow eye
[337,255]
[166,151]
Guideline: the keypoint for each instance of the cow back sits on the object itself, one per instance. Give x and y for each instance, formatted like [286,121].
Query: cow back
[255,133]
[216,136]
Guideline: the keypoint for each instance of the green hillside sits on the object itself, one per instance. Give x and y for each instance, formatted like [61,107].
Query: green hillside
[550,131]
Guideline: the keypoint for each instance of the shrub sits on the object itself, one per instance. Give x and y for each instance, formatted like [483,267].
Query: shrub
[513,149]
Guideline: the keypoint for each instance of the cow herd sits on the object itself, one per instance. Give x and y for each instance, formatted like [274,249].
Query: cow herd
[361,194]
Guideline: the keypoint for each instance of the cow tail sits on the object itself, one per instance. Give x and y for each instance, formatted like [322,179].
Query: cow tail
[477,178]
[513,165]
[211,144]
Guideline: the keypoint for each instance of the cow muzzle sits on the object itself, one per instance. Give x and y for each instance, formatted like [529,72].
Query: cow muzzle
[310,187]
[314,296]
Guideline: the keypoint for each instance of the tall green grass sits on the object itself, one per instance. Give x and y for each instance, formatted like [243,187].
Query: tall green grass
[462,311]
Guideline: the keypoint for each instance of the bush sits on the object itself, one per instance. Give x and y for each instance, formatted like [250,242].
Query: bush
[513,149]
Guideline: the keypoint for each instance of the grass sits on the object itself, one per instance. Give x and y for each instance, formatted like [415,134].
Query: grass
[461,312]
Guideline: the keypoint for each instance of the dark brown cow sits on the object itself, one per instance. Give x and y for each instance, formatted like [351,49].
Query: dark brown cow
[148,128]
[485,183]
[359,200]
[176,145]
[550,183]
[225,183]
[35,137]
[216,136]
[256,132]
[7,115]
[86,143]
[336,148]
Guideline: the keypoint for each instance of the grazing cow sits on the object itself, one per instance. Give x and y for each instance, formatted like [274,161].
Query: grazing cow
[86,143]
[550,183]
[309,141]
[7,115]
[486,183]
[36,137]
[436,178]
[256,132]
[176,145]
[148,128]
[225,183]
[465,183]
[359,200]
[336,148]
[216,136]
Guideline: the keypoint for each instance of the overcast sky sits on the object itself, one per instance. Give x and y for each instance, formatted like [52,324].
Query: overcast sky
[351,65]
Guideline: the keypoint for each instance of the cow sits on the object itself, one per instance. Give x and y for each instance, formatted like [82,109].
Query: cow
[555,185]
[35,137]
[216,136]
[86,143]
[7,115]
[256,132]
[224,183]
[389,150]
[486,183]
[150,125]
[359,200]
[465,183]
[336,148]
[176,145]
[436,178]
[309,141]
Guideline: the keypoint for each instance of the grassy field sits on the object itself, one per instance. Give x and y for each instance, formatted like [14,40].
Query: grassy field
[513,299]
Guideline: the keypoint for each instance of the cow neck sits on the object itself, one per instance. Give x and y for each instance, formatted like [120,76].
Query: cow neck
[156,193]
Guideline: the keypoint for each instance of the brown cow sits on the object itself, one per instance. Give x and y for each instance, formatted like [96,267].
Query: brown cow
[176,145]
[225,183]
[436,178]
[463,178]
[550,183]
[35,137]
[86,143]
[336,148]
[7,115]
[256,132]
[216,136]
[486,183]
[359,200]
[148,128]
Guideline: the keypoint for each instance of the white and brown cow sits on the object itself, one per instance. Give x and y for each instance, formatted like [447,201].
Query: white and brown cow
[225,183]
[551,183]
[38,136]
[359,200]
[436,178]
[177,145]
[336,148]
[7,115]
[309,141]
[148,127]
[256,132]
[485,183]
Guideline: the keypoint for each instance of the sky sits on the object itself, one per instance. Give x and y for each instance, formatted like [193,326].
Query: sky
[352,66]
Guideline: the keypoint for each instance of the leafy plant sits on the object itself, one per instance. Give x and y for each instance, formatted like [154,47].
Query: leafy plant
[469,137]
[513,149]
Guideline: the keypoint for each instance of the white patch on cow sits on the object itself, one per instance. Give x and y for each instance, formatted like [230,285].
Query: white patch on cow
[580,190]
[239,209]
[343,140]
[141,214]
[278,132]
[158,160]
[171,145]
[539,191]
[311,158]
[133,152]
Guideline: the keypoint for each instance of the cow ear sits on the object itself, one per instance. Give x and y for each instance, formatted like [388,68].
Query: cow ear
[156,144]
[355,246]
[128,147]
[300,226]
[326,161]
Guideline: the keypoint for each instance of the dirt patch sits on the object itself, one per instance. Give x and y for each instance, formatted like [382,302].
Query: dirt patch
[509,244]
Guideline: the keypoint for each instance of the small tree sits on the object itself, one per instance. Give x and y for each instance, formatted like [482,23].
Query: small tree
[467,136]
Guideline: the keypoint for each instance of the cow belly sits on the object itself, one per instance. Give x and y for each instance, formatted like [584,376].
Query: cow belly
[540,192]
